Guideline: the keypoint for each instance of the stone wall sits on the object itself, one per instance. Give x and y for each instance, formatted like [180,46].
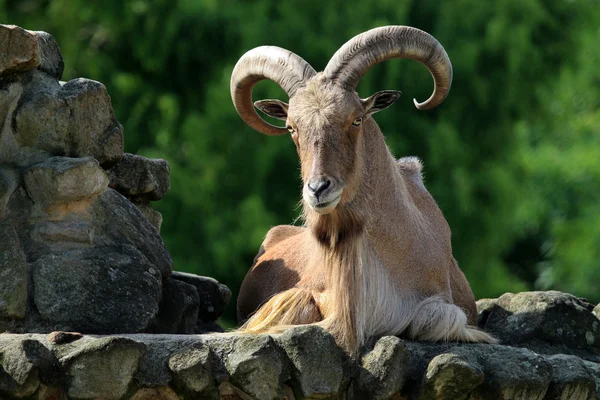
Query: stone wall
[80,251]
[550,350]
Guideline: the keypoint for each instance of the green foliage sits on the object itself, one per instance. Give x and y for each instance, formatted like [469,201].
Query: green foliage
[512,156]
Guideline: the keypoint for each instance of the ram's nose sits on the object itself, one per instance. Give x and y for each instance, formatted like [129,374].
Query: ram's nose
[318,185]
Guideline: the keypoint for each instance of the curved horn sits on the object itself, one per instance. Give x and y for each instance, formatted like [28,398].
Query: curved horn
[361,53]
[266,62]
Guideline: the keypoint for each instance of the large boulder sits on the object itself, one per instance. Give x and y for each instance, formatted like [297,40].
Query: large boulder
[98,289]
[549,317]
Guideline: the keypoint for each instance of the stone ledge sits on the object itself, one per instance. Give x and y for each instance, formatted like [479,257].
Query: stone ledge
[300,363]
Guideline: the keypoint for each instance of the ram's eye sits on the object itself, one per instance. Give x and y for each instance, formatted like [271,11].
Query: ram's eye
[289,128]
[357,122]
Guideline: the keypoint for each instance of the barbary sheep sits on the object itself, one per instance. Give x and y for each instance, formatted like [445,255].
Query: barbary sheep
[374,255]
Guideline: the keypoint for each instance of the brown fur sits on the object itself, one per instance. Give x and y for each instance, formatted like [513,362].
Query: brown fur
[378,262]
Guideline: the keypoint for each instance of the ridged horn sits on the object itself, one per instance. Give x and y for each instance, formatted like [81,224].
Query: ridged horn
[266,62]
[361,53]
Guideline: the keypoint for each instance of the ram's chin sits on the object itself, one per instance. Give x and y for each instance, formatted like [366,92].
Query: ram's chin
[325,207]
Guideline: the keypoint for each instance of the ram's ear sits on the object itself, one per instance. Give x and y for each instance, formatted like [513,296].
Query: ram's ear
[273,108]
[380,101]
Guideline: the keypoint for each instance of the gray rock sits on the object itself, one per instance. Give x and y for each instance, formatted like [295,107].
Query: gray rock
[597,311]
[9,182]
[317,362]
[61,180]
[24,363]
[153,216]
[51,61]
[74,119]
[451,376]
[100,134]
[99,290]
[510,373]
[554,317]
[214,296]
[13,275]
[178,309]
[255,365]
[594,370]
[117,220]
[383,369]
[20,49]
[101,368]
[192,375]
[571,379]
[64,231]
[141,178]
[153,370]
[41,121]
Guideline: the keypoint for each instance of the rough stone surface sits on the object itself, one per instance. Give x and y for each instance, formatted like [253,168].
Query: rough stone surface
[451,376]
[118,220]
[383,370]
[106,289]
[178,308]
[61,180]
[214,296]
[192,374]
[255,366]
[597,311]
[101,369]
[140,178]
[318,374]
[73,119]
[512,373]
[594,370]
[571,379]
[51,61]
[552,317]
[24,364]
[13,276]
[91,112]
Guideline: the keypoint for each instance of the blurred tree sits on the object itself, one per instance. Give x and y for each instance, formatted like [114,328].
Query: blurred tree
[512,156]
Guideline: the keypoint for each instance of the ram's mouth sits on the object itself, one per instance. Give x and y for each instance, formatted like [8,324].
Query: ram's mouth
[328,203]
[327,206]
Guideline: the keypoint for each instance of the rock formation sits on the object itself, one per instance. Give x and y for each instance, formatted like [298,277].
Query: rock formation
[80,252]
[80,248]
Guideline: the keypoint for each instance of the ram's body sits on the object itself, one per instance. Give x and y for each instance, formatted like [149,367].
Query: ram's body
[374,256]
